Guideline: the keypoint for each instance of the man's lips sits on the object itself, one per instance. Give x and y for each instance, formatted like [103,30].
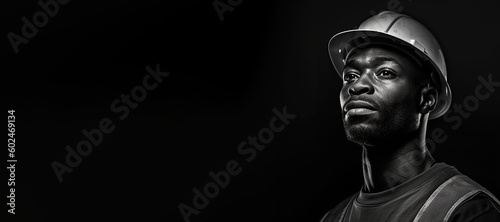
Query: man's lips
[358,107]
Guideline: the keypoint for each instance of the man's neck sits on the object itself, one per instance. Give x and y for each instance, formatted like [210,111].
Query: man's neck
[385,167]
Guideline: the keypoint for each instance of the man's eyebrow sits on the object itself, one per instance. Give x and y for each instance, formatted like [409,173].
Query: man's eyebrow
[381,59]
[374,60]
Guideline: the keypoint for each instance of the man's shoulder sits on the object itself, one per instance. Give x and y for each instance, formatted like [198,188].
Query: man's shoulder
[458,196]
[335,213]
[481,208]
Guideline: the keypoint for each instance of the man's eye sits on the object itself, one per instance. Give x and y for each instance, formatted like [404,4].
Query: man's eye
[348,77]
[386,74]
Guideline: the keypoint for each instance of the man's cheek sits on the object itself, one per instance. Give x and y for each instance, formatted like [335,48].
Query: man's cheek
[343,94]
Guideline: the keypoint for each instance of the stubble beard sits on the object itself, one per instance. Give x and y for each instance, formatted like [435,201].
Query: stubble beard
[386,127]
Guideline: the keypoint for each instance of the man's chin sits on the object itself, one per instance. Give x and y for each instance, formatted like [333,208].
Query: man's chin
[362,133]
[358,136]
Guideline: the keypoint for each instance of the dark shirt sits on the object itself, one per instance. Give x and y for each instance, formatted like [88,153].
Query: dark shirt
[478,209]
[403,202]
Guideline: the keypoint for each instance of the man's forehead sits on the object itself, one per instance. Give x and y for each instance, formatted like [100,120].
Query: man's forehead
[374,55]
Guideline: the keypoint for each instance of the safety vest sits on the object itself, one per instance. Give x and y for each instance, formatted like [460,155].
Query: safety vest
[445,199]
[448,197]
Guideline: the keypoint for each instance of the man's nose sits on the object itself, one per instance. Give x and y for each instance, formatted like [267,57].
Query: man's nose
[362,85]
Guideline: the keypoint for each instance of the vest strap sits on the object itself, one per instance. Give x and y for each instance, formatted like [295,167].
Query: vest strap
[448,197]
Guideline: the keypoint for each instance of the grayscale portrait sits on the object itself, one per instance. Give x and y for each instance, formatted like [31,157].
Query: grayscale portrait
[394,82]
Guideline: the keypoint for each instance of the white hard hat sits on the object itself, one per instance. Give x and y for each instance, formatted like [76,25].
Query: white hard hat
[403,32]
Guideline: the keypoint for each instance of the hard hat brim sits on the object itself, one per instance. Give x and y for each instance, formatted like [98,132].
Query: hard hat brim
[342,43]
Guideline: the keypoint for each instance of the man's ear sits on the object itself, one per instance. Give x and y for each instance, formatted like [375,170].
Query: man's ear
[428,99]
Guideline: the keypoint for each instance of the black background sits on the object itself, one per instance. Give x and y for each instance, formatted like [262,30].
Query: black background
[226,77]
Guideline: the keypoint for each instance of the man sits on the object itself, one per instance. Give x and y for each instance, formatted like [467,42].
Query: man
[394,81]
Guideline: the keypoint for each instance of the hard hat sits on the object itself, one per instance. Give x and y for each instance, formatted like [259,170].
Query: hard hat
[400,31]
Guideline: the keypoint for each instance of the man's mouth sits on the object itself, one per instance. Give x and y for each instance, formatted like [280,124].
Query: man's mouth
[358,107]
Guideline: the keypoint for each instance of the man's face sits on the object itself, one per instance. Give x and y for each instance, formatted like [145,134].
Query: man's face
[380,95]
